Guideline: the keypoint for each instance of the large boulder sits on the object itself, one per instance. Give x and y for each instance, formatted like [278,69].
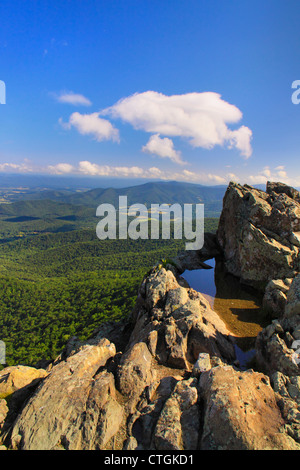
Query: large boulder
[17,383]
[74,407]
[259,233]
[17,378]
[241,412]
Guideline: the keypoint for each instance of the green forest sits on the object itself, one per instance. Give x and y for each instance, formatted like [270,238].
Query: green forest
[66,283]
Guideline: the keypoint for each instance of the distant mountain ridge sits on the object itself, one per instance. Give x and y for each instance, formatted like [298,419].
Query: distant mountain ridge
[148,193]
[156,193]
[39,201]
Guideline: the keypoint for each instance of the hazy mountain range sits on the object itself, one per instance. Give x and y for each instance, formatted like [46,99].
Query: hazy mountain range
[33,201]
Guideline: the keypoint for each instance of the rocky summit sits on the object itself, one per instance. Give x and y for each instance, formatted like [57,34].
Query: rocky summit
[167,377]
[259,232]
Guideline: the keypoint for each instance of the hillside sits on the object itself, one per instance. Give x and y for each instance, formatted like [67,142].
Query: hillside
[147,193]
[156,193]
[55,285]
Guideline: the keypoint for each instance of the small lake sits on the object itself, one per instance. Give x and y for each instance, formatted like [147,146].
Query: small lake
[239,306]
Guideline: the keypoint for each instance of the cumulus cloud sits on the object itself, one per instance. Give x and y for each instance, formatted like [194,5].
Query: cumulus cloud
[276,174]
[201,118]
[61,168]
[7,166]
[25,167]
[93,169]
[241,139]
[88,168]
[282,174]
[216,178]
[73,98]
[164,148]
[91,124]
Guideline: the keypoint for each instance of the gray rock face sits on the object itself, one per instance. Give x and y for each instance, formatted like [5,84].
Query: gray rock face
[275,297]
[292,306]
[277,345]
[274,347]
[287,392]
[195,259]
[183,322]
[281,188]
[258,233]
[203,364]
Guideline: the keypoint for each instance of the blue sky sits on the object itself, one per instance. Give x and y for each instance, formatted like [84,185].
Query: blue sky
[190,90]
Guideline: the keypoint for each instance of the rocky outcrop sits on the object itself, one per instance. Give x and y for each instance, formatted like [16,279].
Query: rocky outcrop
[259,233]
[72,394]
[134,373]
[172,388]
[292,306]
[19,379]
[275,296]
[241,412]
[287,392]
[274,348]
[166,378]
[195,259]
[177,323]
[3,412]
[178,425]
[278,345]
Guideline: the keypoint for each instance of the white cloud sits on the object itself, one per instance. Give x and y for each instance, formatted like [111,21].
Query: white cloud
[88,168]
[93,169]
[73,98]
[282,174]
[25,167]
[6,166]
[276,174]
[258,179]
[241,139]
[231,177]
[61,168]
[266,172]
[201,118]
[92,124]
[216,178]
[164,148]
